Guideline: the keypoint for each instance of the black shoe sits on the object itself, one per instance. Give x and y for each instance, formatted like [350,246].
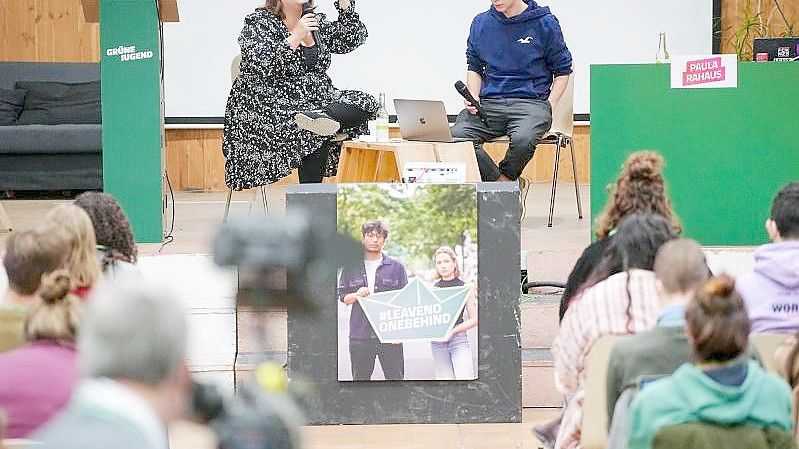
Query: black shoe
[317,123]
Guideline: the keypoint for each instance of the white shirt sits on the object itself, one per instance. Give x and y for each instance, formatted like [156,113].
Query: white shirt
[371,272]
[114,398]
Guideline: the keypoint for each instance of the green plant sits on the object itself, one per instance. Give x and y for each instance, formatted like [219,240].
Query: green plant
[757,20]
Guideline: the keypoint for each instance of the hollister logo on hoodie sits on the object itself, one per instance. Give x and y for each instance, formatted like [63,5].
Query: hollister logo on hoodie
[525,40]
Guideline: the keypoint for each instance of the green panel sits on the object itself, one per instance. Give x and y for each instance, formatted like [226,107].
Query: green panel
[727,151]
[132,117]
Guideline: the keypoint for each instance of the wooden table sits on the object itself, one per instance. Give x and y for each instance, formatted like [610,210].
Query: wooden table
[384,161]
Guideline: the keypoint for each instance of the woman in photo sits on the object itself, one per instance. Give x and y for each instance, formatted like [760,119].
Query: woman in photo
[283,109]
[453,355]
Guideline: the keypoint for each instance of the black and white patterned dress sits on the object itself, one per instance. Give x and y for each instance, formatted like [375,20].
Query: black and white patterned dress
[262,142]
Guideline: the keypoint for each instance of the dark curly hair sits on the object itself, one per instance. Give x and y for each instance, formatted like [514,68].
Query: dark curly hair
[639,188]
[111,226]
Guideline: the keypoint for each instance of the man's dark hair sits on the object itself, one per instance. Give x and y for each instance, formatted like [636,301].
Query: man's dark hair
[374,226]
[785,211]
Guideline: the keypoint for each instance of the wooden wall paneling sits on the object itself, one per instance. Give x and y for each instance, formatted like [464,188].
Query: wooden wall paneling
[214,161]
[47,31]
[732,12]
[19,18]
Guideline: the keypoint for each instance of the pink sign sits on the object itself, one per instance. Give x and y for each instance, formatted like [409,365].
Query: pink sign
[703,71]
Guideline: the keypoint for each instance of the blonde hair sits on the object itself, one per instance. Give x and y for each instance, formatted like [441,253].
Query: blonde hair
[30,254]
[82,261]
[57,315]
[451,253]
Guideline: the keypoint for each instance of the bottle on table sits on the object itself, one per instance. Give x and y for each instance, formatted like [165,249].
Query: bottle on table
[381,131]
[663,53]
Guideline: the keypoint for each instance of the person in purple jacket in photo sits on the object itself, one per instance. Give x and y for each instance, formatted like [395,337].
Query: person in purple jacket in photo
[518,69]
[771,289]
[378,273]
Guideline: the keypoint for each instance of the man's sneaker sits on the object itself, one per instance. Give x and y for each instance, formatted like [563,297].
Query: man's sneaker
[317,123]
[524,188]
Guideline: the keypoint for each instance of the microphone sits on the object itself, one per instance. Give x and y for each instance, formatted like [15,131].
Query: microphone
[464,91]
[307,8]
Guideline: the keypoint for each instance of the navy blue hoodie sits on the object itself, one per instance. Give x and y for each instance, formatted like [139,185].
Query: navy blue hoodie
[517,57]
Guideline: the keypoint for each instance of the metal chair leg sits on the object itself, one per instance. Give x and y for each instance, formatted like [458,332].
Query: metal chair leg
[227,204]
[555,180]
[264,201]
[576,186]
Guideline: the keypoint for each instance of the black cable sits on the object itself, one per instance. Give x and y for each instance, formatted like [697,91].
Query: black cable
[169,236]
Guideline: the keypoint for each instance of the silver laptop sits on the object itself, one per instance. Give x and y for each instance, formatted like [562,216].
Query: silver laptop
[424,120]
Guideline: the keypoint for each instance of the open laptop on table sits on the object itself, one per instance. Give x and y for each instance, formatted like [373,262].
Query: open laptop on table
[424,120]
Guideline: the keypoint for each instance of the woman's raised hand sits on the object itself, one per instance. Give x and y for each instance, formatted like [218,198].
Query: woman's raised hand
[307,24]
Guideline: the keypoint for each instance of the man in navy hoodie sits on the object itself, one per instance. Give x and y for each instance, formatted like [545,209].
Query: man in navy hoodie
[518,68]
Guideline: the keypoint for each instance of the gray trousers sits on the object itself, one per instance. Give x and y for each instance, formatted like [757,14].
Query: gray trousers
[524,121]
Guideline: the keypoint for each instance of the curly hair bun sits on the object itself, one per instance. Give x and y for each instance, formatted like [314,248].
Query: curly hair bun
[55,286]
[645,166]
[720,286]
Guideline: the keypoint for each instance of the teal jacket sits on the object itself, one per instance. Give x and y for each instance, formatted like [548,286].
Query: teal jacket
[690,396]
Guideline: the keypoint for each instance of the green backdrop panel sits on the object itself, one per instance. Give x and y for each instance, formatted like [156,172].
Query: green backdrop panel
[130,71]
[727,151]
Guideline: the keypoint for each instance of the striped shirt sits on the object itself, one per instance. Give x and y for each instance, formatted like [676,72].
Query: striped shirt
[600,310]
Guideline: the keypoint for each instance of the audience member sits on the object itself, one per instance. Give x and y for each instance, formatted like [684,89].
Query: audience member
[623,303]
[132,348]
[786,358]
[721,388]
[82,261]
[639,189]
[771,290]
[36,379]
[680,268]
[116,248]
[29,255]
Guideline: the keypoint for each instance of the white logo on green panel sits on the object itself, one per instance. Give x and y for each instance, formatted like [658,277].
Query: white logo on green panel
[128,53]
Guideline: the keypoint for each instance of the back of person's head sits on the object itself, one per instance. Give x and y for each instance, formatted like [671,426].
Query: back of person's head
[132,331]
[29,255]
[111,226]
[785,213]
[635,245]
[82,262]
[717,322]
[639,188]
[680,266]
[56,316]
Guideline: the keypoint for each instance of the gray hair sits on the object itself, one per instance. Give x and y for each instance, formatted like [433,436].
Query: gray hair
[132,331]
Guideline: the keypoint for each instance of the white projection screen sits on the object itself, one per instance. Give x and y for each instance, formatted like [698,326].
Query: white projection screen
[416,48]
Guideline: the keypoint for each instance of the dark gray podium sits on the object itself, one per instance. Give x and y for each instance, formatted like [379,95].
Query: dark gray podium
[494,397]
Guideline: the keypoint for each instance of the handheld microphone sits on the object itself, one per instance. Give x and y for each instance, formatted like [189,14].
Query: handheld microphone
[464,91]
[307,8]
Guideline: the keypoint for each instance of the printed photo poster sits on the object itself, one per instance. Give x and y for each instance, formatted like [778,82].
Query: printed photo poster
[408,310]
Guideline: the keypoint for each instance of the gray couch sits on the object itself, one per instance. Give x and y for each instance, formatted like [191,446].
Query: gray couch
[50,157]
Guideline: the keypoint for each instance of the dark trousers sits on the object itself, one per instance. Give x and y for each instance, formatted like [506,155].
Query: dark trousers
[313,165]
[362,359]
[524,121]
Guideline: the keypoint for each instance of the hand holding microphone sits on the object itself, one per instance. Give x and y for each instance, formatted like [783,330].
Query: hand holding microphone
[464,91]
[310,22]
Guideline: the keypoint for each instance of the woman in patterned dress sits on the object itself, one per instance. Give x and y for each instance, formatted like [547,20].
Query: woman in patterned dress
[283,108]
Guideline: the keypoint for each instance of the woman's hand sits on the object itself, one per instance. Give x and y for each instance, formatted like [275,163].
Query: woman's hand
[307,25]
[302,31]
[344,4]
